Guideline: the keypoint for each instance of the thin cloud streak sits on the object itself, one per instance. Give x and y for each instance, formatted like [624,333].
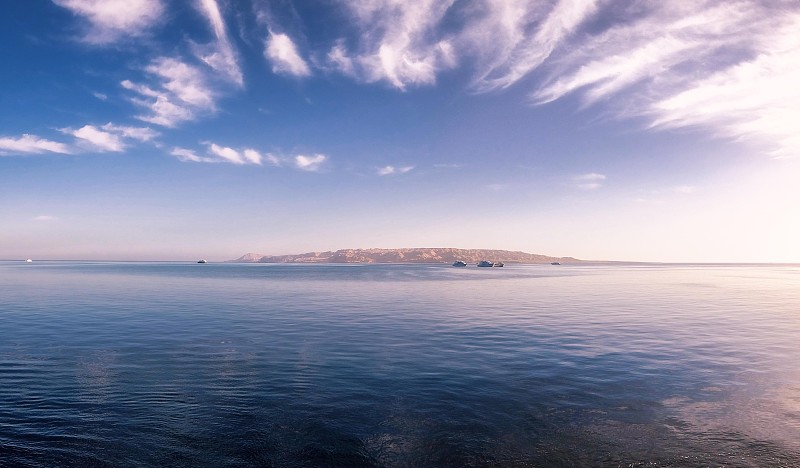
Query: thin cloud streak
[109,137]
[391,170]
[142,134]
[521,47]
[31,144]
[589,181]
[220,55]
[248,156]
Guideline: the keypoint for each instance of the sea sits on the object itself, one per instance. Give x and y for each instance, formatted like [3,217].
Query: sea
[412,365]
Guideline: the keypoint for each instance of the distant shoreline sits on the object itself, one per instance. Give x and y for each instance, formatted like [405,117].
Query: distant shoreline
[407,255]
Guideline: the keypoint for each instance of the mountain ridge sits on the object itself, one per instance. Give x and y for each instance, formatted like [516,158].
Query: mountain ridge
[406,255]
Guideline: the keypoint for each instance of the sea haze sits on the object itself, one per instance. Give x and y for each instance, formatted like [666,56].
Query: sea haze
[123,364]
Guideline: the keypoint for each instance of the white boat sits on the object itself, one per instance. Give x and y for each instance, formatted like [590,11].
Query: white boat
[202,261]
[484,263]
[459,263]
[28,260]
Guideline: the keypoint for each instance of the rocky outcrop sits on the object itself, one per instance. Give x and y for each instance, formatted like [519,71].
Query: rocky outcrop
[411,255]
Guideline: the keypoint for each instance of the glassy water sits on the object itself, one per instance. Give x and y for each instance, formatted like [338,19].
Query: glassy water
[151,364]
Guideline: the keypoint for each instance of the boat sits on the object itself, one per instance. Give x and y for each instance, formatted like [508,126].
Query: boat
[28,261]
[498,264]
[484,263]
[459,263]
[555,263]
[202,261]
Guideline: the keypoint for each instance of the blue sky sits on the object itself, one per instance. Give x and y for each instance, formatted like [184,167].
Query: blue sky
[642,130]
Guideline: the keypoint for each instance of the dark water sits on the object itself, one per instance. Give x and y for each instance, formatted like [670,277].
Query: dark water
[145,364]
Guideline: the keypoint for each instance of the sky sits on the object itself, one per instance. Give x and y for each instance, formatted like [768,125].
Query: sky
[602,130]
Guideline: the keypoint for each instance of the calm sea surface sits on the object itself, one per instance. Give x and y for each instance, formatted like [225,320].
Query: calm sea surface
[168,364]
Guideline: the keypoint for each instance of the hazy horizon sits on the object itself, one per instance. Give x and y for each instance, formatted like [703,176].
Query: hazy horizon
[645,132]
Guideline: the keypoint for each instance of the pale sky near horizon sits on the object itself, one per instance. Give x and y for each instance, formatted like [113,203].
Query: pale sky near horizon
[605,130]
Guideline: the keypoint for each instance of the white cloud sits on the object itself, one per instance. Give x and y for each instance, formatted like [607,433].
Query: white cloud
[45,218]
[98,139]
[187,155]
[591,176]
[589,181]
[338,58]
[409,42]
[512,37]
[389,170]
[219,55]
[110,137]
[730,68]
[112,20]
[247,156]
[181,93]
[683,189]
[136,133]
[31,144]
[310,163]
[282,52]
[756,99]
[226,154]
[398,42]
[252,156]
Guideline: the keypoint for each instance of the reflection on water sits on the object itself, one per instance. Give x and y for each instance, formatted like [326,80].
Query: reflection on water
[164,363]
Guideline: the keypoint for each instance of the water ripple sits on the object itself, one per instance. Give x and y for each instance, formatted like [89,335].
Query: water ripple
[105,364]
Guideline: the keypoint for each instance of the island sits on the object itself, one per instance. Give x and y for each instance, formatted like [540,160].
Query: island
[407,255]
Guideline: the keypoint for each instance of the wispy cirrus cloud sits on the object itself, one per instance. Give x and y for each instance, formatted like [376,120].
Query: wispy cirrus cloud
[409,43]
[31,144]
[725,67]
[755,99]
[219,55]
[178,92]
[112,20]
[511,38]
[400,42]
[282,52]
[390,170]
[45,218]
[730,68]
